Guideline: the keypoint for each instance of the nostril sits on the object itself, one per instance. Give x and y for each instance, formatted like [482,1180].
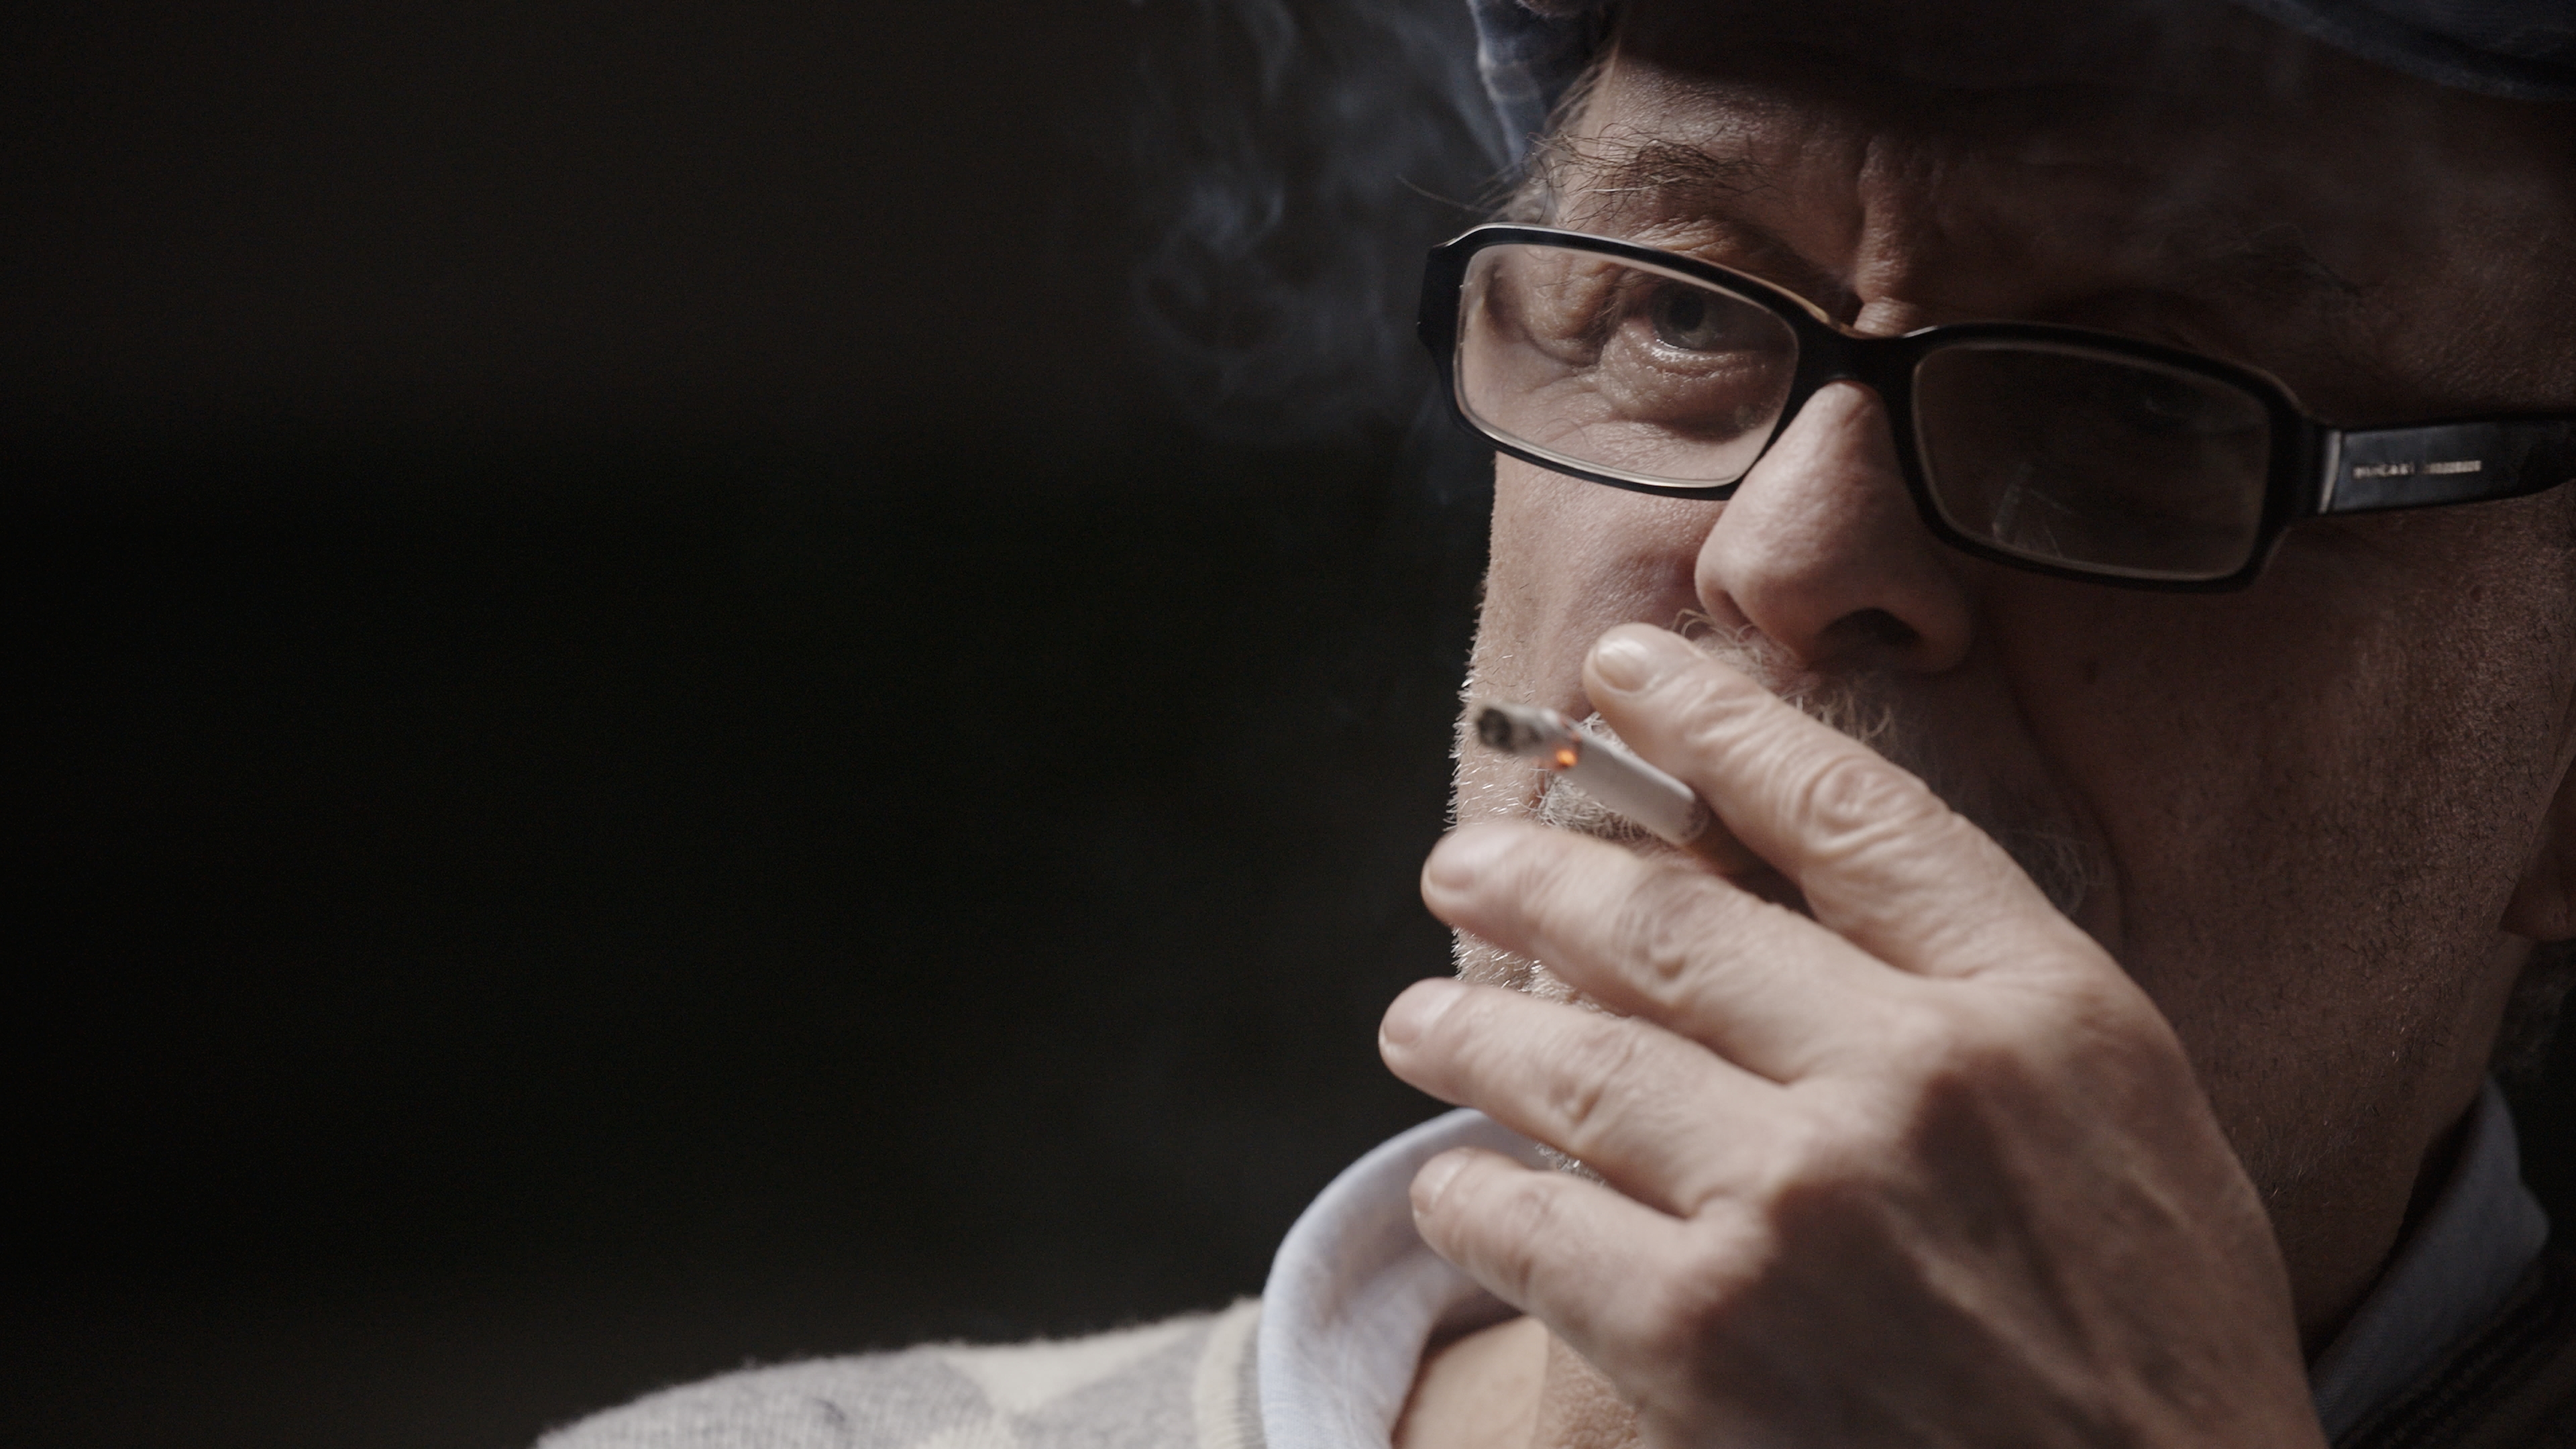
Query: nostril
[1868,633]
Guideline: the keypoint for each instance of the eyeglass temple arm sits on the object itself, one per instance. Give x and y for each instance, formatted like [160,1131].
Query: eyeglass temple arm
[2368,469]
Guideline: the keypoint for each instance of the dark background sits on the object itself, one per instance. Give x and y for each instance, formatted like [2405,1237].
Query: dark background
[700,686]
[658,727]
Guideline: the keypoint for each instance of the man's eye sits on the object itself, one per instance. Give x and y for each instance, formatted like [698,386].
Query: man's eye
[1690,320]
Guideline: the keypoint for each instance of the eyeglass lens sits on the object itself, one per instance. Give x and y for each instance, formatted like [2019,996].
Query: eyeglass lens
[1620,367]
[2053,452]
[2104,461]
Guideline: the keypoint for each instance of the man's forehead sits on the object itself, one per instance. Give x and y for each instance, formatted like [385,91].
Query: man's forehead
[1962,45]
[2180,171]
[1774,140]
[2134,86]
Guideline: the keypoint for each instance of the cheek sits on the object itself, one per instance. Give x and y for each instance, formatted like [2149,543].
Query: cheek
[2317,793]
[1569,560]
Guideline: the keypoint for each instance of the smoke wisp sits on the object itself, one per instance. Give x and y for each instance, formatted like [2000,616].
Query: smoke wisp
[1294,163]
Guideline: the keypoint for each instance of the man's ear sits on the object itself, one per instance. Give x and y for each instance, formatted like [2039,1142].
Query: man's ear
[2543,907]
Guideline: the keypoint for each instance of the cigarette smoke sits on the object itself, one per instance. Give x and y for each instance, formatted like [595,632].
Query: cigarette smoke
[1295,163]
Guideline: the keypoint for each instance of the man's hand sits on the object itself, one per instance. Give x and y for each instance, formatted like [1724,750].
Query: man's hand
[1925,1169]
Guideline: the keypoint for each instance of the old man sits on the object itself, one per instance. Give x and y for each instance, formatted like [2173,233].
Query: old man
[2073,488]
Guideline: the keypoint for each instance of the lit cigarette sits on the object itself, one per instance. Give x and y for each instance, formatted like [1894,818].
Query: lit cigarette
[1601,768]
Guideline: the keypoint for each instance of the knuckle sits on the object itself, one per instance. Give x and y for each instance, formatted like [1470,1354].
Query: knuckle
[1919,1035]
[1660,927]
[1851,801]
[1711,709]
[1952,1084]
[1599,1066]
[1818,1166]
[1517,1217]
[1942,1054]
[1827,1204]
[1840,1157]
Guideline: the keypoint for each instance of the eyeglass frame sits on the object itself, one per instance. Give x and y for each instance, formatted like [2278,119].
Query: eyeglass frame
[2315,470]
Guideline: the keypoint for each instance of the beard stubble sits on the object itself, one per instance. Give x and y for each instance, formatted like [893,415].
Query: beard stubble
[1866,706]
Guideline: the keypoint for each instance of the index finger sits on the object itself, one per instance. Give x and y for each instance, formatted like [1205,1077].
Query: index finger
[1882,861]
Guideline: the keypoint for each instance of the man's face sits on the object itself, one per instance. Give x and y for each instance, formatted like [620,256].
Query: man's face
[2303,809]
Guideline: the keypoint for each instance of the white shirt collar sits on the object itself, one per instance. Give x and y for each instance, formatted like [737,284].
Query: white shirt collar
[1354,1295]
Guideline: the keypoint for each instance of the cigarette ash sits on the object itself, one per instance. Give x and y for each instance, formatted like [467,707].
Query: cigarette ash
[1521,730]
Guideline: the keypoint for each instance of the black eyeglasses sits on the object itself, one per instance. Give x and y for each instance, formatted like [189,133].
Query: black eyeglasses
[2058,449]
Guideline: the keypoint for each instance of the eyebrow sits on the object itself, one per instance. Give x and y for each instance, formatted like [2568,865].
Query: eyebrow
[1644,184]
[2272,260]
[1672,173]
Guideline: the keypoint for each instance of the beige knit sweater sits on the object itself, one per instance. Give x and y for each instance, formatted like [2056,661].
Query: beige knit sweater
[1184,1383]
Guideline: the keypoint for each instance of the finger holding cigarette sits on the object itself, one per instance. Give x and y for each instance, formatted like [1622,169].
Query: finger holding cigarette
[1614,775]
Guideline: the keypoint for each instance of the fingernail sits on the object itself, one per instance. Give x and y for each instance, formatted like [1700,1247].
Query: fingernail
[1413,1013]
[1626,662]
[1465,857]
[1434,1179]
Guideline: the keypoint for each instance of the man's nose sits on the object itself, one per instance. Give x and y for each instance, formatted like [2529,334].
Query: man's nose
[1821,549]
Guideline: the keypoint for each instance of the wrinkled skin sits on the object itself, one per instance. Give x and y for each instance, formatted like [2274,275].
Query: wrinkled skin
[1928,1162]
